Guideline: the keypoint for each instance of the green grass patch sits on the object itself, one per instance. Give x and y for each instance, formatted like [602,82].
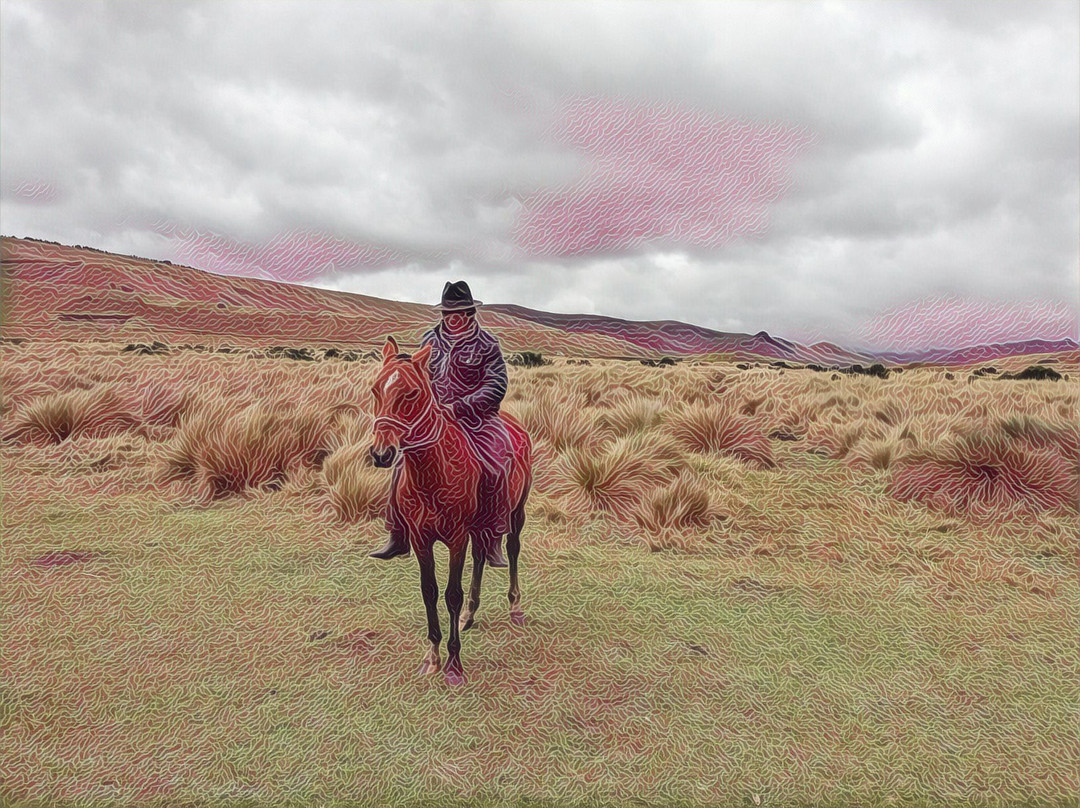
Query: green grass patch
[250,653]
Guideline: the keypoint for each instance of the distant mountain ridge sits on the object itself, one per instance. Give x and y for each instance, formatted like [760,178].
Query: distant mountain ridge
[682,339]
[53,291]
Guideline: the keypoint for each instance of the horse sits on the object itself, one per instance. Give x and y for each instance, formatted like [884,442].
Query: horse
[437,493]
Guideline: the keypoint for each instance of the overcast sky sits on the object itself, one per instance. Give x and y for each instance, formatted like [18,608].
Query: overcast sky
[877,173]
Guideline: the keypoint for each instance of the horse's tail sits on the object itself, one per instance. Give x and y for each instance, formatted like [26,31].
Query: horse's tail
[521,471]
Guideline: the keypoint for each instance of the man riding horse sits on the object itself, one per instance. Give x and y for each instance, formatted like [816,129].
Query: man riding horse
[468,376]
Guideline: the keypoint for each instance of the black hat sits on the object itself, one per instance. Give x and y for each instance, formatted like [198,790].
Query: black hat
[457,297]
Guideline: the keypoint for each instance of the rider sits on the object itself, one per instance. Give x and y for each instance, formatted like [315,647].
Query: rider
[468,377]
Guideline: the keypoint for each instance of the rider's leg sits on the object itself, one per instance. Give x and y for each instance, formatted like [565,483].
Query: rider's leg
[398,544]
[491,504]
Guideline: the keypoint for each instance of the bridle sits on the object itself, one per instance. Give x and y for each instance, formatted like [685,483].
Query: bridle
[432,430]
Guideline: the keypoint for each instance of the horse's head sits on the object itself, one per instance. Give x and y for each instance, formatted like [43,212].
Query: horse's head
[404,402]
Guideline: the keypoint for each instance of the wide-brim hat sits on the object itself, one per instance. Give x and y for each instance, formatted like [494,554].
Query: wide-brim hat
[457,297]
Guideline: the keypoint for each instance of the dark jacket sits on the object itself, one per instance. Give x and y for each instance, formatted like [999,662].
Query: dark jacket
[468,374]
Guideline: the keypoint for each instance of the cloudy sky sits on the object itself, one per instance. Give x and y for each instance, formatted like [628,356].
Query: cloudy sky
[877,174]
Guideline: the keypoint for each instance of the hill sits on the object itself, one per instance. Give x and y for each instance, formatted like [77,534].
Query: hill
[52,291]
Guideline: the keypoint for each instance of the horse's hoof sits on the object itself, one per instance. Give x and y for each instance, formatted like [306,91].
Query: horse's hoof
[517,618]
[454,678]
[464,624]
[427,668]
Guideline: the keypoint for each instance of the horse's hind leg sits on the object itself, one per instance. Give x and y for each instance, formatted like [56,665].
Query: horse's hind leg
[513,548]
[469,615]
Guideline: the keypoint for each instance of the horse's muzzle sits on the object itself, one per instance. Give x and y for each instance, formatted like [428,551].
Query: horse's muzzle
[383,459]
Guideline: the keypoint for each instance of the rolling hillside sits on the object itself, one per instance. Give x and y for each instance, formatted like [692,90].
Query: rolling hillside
[51,291]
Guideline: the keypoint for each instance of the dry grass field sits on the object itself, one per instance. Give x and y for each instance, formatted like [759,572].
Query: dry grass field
[743,586]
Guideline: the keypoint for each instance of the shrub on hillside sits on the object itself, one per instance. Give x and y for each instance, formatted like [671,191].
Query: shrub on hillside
[1035,372]
[154,349]
[878,370]
[527,359]
[282,352]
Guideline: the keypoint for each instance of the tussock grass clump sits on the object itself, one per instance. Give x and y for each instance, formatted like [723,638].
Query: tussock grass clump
[880,454]
[357,490]
[257,446]
[1063,437]
[889,413]
[550,512]
[85,455]
[348,427]
[97,412]
[839,439]
[793,421]
[986,469]
[751,404]
[613,479]
[716,429]
[630,415]
[558,421]
[165,406]
[834,400]
[682,504]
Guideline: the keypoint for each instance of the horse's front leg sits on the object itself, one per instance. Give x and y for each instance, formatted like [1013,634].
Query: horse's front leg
[430,588]
[455,675]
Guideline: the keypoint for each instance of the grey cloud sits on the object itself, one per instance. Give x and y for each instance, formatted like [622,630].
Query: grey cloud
[945,157]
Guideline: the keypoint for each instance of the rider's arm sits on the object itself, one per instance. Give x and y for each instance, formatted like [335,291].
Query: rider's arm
[486,399]
[429,337]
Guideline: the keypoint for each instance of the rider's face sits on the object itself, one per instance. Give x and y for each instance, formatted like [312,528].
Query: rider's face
[456,320]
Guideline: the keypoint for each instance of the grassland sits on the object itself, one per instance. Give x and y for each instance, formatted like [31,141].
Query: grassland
[736,595]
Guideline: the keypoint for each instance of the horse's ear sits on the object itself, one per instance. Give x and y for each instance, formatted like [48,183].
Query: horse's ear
[390,349]
[420,358]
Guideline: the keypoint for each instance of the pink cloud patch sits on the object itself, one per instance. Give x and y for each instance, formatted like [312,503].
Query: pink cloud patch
[294,256]
[35,191]
[659,173]
[954,322]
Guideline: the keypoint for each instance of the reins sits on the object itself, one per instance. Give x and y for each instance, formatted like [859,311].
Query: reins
[410,442]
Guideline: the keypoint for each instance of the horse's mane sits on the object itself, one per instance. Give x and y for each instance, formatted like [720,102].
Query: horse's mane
[403,356]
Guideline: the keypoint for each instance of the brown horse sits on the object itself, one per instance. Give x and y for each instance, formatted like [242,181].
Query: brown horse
[437,492]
